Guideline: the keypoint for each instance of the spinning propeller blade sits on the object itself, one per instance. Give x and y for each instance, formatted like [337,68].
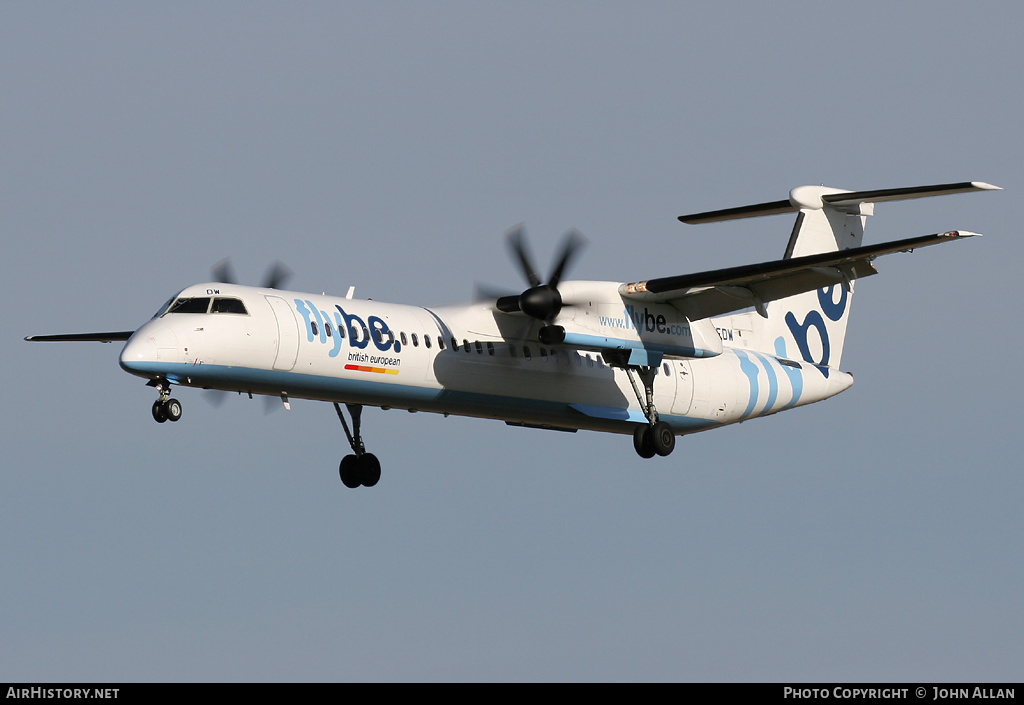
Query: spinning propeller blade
[223,272]
[540,301]
[277,274]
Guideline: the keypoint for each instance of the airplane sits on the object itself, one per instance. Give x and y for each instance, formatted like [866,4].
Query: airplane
[652,359]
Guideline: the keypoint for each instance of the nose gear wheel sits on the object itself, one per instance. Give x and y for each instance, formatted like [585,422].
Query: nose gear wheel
[165,408]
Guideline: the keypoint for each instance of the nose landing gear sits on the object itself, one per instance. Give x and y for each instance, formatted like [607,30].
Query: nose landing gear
[360,468]
[165,408]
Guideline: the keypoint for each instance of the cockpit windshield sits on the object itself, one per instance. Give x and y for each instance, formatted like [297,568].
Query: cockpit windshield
[160,311]
[225,305]
[201,304]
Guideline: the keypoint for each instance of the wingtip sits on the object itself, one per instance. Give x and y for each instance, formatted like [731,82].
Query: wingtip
[986,186]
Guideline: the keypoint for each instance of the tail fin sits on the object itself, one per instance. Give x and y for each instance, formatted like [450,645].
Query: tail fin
[812,326]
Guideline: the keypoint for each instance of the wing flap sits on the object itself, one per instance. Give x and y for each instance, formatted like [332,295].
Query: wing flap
[717,292]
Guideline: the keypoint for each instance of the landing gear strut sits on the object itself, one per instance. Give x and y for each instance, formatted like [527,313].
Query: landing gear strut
[360,468]
[165,408]
[655,437]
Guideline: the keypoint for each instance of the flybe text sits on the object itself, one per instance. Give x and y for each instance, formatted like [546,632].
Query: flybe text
[644,321]
[331,328]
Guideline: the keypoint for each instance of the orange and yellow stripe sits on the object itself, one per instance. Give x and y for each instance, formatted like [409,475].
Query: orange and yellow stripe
[379,370]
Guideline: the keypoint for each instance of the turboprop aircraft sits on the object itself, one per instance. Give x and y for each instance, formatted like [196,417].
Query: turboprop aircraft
[654,359]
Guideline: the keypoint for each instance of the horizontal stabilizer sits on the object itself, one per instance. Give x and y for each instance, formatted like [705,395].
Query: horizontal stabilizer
[83,337]
[758,209]
[817,197]
[904,194]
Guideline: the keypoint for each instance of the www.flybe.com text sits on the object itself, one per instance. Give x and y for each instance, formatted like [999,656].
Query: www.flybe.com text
[644,321]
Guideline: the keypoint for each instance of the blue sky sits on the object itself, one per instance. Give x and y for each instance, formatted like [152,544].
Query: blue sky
[876,536]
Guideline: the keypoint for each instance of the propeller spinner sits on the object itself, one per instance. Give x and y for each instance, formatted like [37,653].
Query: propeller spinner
[541,301]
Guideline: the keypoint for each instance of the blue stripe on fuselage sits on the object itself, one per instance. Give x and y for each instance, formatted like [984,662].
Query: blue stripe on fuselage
[322,388]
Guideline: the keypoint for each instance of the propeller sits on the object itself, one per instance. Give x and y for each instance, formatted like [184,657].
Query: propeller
[277,274]
[542,300]
[487,292]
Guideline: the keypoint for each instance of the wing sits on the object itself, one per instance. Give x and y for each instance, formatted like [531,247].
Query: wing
[720,291]
[83,337]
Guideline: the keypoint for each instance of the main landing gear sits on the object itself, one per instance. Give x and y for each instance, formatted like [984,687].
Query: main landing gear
[654,437]
[165,408]
[361,468]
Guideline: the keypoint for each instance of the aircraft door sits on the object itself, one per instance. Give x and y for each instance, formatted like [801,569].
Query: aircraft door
[684,387]
[287,334]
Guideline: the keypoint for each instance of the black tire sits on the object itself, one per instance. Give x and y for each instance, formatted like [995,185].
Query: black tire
[664,440]
[172,409]
[369,469]
[349,472]
[643,441]
[159,412]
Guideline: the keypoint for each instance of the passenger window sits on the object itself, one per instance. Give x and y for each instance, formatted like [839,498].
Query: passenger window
[590,361]
[490,349]
[511,350]
[455,345]
[440,343]
[222,305]
[664,366]
[415,340]
[426,340]
[526,352]
[197,305]
[316,330]
[479,348]
[465,344]
[327,327]
[404,341]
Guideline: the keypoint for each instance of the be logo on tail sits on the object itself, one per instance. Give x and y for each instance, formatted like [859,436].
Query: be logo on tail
[833,310]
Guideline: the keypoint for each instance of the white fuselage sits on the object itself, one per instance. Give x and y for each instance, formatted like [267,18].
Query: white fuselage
[471,360]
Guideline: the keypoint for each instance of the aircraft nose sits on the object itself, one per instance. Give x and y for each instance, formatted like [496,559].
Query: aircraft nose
[149,345]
